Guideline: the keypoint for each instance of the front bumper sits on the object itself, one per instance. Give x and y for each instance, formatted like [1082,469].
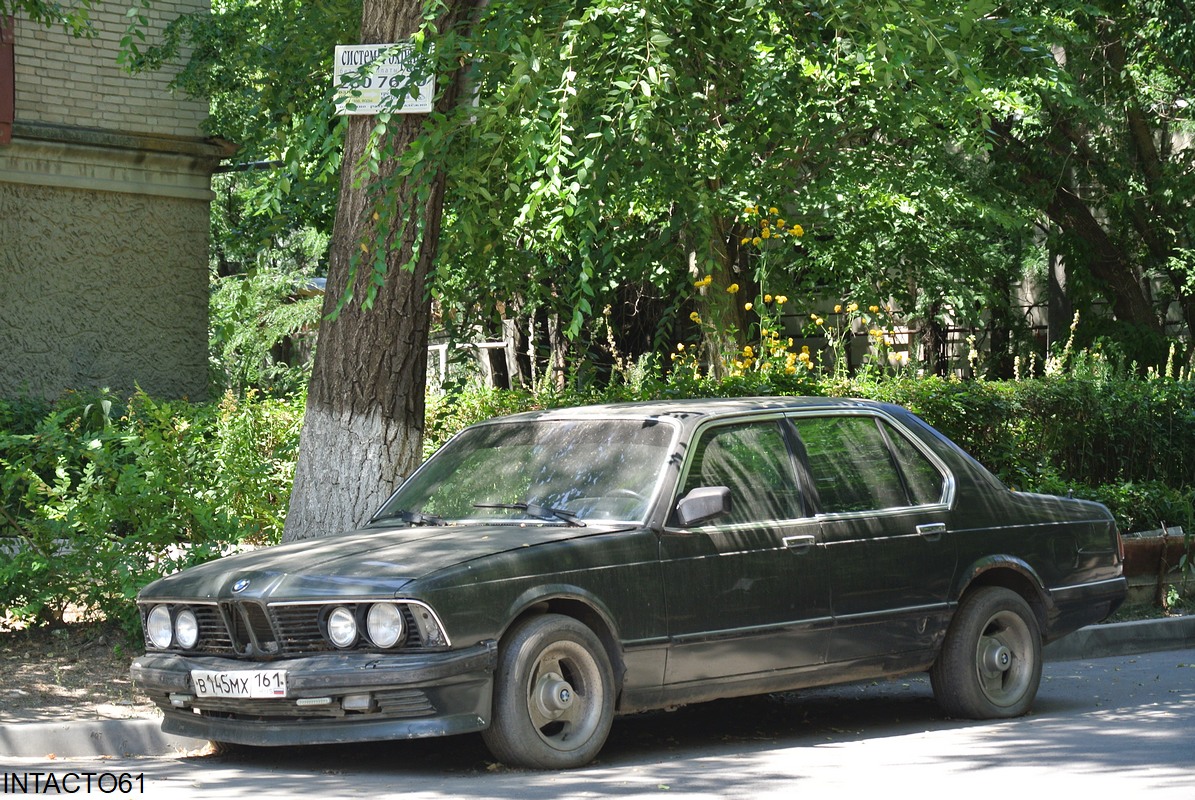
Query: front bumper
[410,696]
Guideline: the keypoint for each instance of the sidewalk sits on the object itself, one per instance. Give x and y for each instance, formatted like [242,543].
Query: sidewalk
[143,736]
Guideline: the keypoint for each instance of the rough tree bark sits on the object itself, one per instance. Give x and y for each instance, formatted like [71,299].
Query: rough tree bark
[363,426]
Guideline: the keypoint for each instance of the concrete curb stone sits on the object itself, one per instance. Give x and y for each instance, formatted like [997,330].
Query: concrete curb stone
[144,737]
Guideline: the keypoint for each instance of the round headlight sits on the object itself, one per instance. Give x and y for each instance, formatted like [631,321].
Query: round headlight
[342,627]
[186,629]
[384,624]
[158,627]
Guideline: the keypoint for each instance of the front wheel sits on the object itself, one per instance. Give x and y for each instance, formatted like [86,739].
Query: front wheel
[553,695]
[990,664]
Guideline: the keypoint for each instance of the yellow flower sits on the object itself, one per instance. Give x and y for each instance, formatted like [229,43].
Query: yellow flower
[790,370]
[803,357]
[773,211]
[732,288]
[804,348]
[746,240]
[853,307]
[820,321]
[756,241]
[750,209]
[781,299]
[695,317]
[766,233]
[779,223]
[767,298]
[838,309]
[874,309]
[748,351]
[680,346]
[748,306]
[798,231]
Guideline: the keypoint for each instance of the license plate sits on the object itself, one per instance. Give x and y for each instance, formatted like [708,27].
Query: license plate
[252,683]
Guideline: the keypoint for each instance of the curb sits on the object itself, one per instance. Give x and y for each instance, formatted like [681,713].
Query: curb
[1124,639]
[92,738]
[144,737]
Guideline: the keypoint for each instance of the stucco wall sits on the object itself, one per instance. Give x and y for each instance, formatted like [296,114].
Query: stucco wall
[104,207]
[96,292]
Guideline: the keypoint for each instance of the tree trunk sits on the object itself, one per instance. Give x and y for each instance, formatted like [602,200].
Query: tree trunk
[723,332]
[363,427]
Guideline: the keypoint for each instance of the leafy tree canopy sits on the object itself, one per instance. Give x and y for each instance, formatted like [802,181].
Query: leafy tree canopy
[611,148]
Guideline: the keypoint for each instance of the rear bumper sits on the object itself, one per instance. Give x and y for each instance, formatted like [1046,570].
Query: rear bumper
[409,696]
[1084,604]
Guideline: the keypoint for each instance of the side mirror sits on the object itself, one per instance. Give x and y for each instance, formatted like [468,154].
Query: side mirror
[703,504]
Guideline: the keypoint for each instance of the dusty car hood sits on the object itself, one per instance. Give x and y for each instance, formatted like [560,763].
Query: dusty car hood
[360,562]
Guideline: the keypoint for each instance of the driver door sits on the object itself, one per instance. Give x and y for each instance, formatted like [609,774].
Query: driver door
[745,593]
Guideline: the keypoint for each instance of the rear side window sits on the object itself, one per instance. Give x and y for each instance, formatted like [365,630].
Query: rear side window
[925,482]
[858,463]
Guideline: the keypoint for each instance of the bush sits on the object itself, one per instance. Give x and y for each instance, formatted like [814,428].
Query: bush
[103,496]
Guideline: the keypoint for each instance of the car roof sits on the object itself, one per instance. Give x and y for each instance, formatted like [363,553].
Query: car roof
[692,411]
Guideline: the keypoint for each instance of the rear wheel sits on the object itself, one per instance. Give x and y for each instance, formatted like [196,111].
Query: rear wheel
[990,664]
[553,695]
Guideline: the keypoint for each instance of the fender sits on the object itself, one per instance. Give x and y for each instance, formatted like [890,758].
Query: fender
[988,564]
[547,593]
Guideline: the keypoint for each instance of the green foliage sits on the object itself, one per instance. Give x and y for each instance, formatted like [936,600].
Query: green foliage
[101,496]
[263,329]
[74,17]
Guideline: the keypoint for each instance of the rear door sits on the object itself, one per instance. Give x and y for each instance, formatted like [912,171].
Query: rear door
[883,507]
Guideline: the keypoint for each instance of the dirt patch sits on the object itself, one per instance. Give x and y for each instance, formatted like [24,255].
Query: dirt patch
[77,670]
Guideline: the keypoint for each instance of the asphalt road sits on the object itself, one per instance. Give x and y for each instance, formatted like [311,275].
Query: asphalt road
[1111,727]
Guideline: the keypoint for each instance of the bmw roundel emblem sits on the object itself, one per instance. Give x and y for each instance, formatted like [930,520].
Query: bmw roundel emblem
[240,585]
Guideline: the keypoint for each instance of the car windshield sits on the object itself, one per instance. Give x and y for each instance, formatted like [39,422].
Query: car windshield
[557,472]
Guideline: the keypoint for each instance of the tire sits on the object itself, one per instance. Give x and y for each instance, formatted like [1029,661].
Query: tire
[553,695]
[990,664]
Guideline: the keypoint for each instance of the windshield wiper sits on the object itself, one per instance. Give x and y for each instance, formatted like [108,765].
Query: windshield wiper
[538,511]
[411,518]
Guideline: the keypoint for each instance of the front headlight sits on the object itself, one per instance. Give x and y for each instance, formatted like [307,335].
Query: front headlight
[186,629]
[384,624]
[159,628]
[342,627]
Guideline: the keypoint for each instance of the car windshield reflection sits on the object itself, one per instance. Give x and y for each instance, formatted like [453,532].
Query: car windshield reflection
[545,471]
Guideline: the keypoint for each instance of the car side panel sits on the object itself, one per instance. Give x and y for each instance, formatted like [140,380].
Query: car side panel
[616,574]
[743,601]
[890,581]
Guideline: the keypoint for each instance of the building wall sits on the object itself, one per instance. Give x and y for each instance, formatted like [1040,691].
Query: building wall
[104,207]
[78,82]
[97,294]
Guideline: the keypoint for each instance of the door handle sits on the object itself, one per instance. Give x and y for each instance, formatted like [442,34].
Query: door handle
[799,543]
[932,531]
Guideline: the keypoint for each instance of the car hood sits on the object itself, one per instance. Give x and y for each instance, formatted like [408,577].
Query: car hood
[362,562]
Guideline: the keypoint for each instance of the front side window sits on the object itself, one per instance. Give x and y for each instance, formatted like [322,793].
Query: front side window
[858,463]
[752,460]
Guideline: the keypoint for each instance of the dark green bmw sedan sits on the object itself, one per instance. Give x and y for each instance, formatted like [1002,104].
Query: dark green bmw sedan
[544,572]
